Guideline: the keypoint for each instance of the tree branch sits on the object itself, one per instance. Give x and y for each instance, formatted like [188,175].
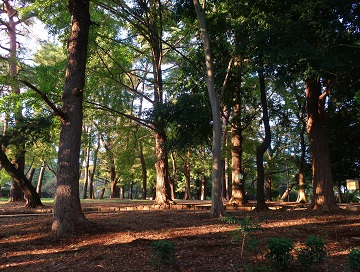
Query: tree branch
[142,122]
[58,112]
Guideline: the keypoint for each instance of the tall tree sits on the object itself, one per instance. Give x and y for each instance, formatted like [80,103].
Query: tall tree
[11,20]
[260,196]
[11,24]
[323,194]
[67,208]
[217,208]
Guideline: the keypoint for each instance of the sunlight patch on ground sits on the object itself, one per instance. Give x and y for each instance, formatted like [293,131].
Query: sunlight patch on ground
[26,263]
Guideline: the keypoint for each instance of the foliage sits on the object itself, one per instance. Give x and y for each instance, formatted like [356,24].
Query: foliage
[246,226]
[279,253]
[354,260]
[27,130]
[163,254]
[314,252]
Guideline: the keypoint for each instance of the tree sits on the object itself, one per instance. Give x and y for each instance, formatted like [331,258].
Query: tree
[260,197]
[329,34]
[67,208]
[217,208]
[323,194]
[11,26]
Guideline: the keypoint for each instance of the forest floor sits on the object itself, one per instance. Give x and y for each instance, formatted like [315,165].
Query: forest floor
[120,239]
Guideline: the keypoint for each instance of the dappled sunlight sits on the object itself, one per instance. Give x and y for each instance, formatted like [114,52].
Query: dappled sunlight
[121,235]
[19,264]
[22,238]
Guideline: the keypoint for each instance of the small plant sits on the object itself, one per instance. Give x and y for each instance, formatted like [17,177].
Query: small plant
[163,254]
[314,252]
[354,260]
[279,253]
[246,225]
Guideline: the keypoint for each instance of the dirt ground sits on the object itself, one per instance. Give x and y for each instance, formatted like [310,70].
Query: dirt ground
[123,240]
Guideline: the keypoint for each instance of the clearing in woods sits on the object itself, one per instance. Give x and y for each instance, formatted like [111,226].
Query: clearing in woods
[121,234]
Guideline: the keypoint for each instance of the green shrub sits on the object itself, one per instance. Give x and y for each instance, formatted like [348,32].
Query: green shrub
[279,253]
[354,260]
[163,254]
[314,252]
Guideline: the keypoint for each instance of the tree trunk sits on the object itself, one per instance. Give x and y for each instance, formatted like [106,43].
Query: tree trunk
[260,197]
[122,192]
[31,173]
[131,187]
[114,190]
[163,194]
[187,176]
[225,161]
[173,177]
[238,175]
[203,188]
[217,207]
[323,194]
[67,208]
[102,192]
[32,198]
[300,115]
[287,192]
[15,191]
[143,172]
[92,173]
[268,187]
[41,177]
[86,171]
[162,175]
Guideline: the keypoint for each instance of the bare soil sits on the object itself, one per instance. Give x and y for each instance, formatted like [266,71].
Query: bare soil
[122,240]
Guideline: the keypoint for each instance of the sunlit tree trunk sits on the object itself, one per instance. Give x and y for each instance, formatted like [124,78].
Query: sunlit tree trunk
[40,178]
[162,175]
[238,177]
[173,176]
[323,194]
[67,208]
[31,173]
[102,192]
[217,207]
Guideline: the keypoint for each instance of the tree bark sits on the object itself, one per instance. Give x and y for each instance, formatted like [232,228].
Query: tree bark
[238,176]
[15,191]
[173,176]
[268,187]
[31,173]
[323,194]
[217,207]
[143,172]
[260,196]
[86,171]
[162,175]
[68,215]
[32,198]
[301,194]
[41,177]
[187,176]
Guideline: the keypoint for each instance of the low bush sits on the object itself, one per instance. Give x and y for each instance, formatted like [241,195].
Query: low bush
[279,253]
[354,260]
